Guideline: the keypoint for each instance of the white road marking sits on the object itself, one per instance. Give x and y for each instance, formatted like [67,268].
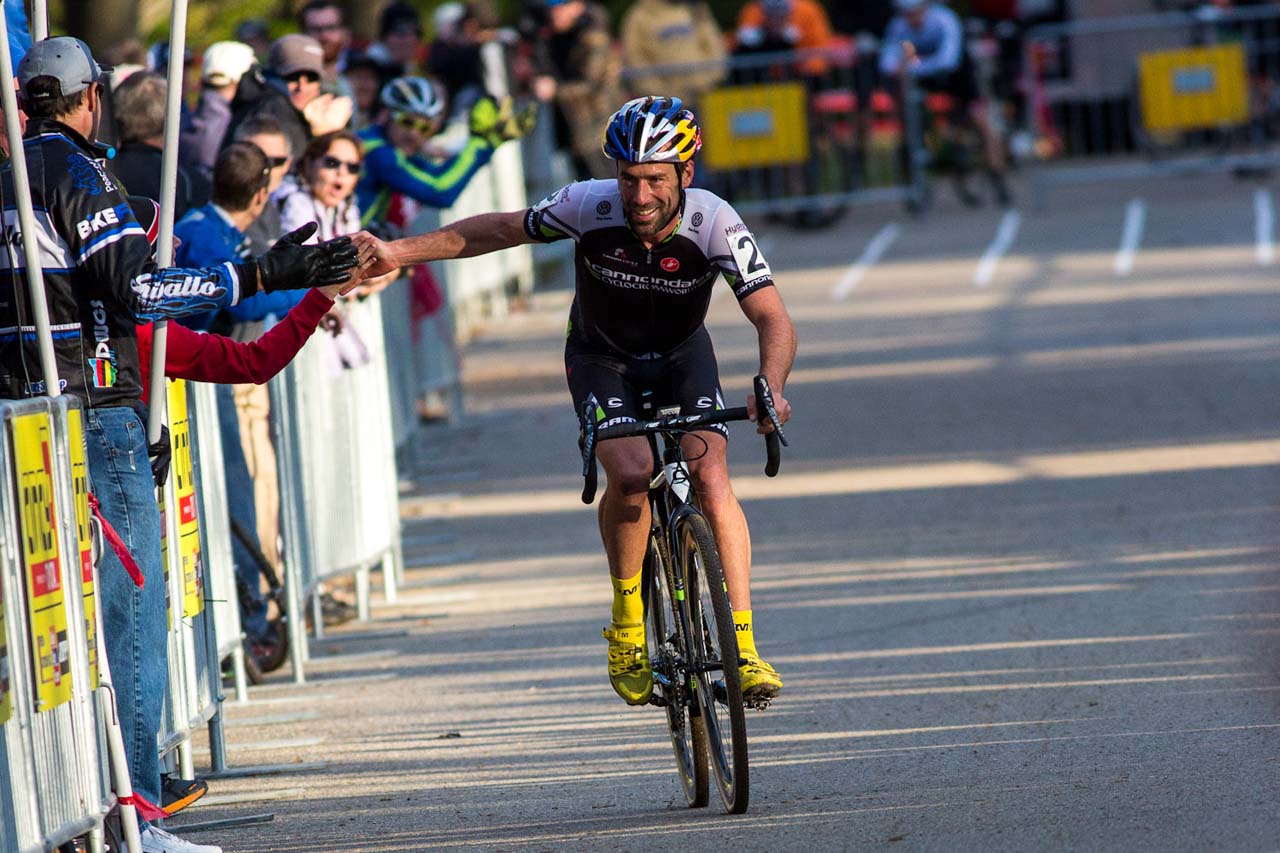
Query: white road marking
[1264,221]
[870,256]
[1135,217]
[1005,235]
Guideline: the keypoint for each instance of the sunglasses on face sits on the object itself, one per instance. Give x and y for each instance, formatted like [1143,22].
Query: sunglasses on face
[302,77]
[277,162]
[335,163]
[424,126]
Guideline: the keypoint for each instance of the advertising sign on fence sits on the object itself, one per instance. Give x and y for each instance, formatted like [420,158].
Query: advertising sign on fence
[184,486]
[1194,88]
[765,124]
[41,558]
[84,536]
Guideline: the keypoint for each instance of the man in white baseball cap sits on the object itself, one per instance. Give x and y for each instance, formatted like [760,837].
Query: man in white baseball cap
[225,62]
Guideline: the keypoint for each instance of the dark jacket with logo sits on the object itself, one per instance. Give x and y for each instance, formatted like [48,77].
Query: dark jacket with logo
[138,166]
[100,278]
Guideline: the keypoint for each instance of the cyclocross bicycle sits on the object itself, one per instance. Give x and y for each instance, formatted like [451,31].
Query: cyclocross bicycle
[693,648]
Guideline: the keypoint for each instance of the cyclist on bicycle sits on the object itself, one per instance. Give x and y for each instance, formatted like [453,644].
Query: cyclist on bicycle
[649,251]
[926,41]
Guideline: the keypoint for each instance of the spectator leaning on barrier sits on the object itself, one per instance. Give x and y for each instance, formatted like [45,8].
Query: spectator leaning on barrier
[139,111]
[765,26]
[217,232]
[581,74]
[658,33]
[100,281]
[204,127]
[246,320]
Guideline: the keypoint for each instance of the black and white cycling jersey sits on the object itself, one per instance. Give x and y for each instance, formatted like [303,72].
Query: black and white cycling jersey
[642,301]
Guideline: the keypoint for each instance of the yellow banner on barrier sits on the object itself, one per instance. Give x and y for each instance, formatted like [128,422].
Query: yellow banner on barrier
[1193,88]
[184,484]
[84,535]
[747,127]
[33,454]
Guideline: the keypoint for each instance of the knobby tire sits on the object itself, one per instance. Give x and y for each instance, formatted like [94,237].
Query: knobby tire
[688,732]
[711,622]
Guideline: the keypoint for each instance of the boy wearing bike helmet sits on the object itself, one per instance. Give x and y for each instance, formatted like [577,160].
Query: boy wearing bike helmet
[413,110]
[649,252]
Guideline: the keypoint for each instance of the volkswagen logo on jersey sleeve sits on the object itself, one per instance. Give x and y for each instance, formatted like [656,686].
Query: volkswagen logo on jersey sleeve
[604,208]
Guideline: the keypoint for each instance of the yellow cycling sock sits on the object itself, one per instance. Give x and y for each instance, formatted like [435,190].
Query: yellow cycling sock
[628,607]
[746,634]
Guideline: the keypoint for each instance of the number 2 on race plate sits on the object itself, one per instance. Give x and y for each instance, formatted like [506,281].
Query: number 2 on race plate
[750,262]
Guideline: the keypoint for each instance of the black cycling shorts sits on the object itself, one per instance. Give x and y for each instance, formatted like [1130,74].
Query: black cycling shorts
[961,84]
[626,388]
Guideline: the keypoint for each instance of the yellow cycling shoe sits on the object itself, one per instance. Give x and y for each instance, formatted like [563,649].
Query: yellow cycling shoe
[760,681]
[629,671]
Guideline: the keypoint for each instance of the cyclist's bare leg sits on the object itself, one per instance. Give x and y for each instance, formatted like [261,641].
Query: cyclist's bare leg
[715,494]
[991,144]
[624,506]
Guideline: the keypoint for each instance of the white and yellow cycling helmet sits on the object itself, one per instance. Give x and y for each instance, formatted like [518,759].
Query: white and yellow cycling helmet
[652,129]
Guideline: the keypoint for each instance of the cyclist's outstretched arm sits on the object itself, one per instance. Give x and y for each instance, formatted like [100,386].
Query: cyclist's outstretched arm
[466,238]
[777,335]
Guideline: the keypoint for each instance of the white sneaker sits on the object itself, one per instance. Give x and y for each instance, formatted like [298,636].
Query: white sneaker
[156,840]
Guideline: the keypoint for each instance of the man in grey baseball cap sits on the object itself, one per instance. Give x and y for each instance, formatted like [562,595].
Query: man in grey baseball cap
[66,60]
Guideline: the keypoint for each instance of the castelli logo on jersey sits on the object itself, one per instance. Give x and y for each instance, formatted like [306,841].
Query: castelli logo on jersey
[670,264]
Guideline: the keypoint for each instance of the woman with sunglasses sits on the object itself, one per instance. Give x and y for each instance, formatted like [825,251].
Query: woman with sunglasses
[324,192]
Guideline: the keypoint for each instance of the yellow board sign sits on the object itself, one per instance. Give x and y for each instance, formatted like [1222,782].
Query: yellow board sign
[41,557]
[1192,88]
[184,485]
[84,536]
[746,127]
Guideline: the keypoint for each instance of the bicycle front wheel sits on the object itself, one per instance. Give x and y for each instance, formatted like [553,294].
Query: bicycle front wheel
[714,660]
[666,650]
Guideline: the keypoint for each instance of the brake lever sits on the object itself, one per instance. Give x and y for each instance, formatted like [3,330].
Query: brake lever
[772,440]
[764,399]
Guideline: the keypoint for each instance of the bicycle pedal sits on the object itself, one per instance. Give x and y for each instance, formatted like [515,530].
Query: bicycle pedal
[758,704]
[658,699]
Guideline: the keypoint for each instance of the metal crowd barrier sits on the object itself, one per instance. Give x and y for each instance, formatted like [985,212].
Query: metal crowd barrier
[804,133]
[54,781]
[221,593]
[338,481]
[1152,95]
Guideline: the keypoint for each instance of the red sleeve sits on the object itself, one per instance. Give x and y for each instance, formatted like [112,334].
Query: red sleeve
[144,360]
[213,358]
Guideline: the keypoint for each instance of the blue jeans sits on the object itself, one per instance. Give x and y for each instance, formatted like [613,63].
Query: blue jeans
[134,622]
[240,504]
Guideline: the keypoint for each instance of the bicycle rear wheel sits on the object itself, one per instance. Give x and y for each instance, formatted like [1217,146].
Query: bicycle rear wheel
[714,650]
[688,735]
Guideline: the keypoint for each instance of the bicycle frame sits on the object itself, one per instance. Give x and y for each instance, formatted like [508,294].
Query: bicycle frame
[671,498]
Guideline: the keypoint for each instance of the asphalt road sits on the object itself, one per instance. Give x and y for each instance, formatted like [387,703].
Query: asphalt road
[1020,570]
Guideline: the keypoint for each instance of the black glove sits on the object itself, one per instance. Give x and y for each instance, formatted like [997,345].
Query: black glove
[160,454]
[289,265]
